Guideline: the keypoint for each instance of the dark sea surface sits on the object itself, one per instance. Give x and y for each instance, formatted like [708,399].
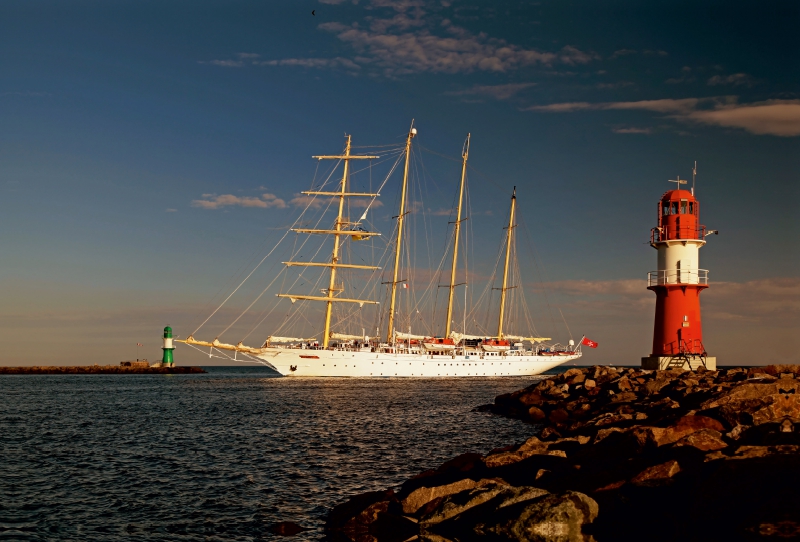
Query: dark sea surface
[223,455]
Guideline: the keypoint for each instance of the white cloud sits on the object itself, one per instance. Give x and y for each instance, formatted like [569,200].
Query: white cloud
[771,117]
[499,92]
[440,212]
[632,130]
[623,52]
[266,201]
[337,62]
[635,287]
[775,298]
[460,52]
[735,79]
[659,106]
[411,40]
[566,107]
[223,63]
[772,301]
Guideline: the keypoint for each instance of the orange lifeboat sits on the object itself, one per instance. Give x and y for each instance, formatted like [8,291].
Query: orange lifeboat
[495,345]
[434,344]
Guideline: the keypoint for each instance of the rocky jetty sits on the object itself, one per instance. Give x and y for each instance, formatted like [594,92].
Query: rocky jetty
[96,369]
[621,454]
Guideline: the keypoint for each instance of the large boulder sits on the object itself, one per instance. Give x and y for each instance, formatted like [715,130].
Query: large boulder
[446,507]
[704,439]
[657,474]
[550,517]
[354,517]
[423,495]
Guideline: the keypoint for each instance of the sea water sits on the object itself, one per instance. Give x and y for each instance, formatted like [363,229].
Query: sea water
[223,455]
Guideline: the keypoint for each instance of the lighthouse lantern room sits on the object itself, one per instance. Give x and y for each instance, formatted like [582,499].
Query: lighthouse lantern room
[678,331]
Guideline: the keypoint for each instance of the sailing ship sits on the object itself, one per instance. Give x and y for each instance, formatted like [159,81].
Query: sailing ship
[397,353]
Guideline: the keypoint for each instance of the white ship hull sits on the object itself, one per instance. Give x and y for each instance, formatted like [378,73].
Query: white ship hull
[348,363]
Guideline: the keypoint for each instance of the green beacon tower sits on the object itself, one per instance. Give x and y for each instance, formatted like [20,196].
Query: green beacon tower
[167,360]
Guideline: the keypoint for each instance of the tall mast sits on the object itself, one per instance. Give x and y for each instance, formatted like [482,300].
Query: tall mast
[337,232]
[335,254]
[400,219]
[464,157]
[505,269]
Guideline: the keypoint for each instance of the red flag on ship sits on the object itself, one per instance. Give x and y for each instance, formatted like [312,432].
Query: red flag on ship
[588,342]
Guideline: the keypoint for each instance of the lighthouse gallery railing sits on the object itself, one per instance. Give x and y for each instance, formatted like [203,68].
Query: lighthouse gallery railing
[676,233]
[677,276]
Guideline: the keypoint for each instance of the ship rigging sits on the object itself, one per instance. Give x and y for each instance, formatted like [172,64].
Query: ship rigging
[338,349]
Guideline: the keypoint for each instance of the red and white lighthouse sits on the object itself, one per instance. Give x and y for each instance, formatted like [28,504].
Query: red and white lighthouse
[678,331]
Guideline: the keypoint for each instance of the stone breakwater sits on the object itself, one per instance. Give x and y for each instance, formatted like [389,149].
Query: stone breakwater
[623,454]
[96,369]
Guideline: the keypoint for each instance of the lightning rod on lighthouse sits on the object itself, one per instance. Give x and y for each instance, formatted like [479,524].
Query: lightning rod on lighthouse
[678,330]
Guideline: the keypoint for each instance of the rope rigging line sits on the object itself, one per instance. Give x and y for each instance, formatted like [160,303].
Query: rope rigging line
[228,357]
[229,283]
[293,315]
[259,263]
[541,272]
[300,274]
[240,284]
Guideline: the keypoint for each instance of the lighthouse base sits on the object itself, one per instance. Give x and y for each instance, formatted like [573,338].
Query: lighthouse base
[689,363]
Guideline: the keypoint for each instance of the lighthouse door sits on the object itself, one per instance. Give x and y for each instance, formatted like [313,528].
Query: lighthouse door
[685,340]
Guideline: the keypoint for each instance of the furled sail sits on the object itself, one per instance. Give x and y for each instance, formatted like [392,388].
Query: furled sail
[458,337]
[222,346]
[529,339]
[346,337]
[408,336]
[272,339]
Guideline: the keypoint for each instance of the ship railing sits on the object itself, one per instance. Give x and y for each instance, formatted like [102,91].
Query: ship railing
[677,276]
[671,233]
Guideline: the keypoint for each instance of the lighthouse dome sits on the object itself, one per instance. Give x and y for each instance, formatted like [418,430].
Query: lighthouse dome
[679,216]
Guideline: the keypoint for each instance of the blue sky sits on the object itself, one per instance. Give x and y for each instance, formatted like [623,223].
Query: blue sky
[118,119]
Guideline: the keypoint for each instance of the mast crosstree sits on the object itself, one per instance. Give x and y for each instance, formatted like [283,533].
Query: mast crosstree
[337,232]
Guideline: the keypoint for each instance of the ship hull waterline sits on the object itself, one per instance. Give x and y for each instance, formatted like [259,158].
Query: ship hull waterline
[348,363]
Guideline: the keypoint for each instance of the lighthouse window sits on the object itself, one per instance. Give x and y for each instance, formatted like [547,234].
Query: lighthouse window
[684,204]
[691,207]
[665,209]
[674,208]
